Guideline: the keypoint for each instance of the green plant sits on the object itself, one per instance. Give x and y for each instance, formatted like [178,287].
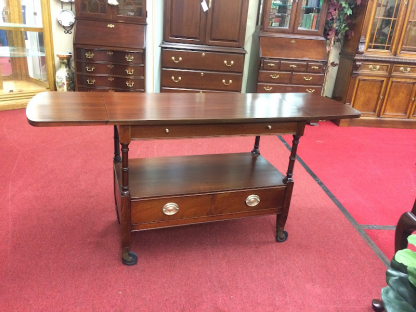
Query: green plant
[400,294]
[337,19]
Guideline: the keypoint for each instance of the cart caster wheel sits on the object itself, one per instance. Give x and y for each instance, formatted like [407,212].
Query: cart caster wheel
[132,259]
[118,218]
[378,305]
[282,239]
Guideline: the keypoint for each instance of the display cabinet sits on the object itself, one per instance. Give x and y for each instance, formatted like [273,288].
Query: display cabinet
[109,45]
[377,70]
[203,49]
[293,54]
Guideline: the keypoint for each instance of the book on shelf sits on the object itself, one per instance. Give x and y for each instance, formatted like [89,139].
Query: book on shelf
[314,19]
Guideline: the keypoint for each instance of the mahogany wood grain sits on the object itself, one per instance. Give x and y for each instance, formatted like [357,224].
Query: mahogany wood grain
[132,83]
[288,88]
[400,97]
[103,69]
[293,66]
[180,90]
[274,76]
[127,57]
[307,79]
[368,94]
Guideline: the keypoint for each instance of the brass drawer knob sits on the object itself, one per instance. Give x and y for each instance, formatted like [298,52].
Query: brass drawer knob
[129,71]
[314,67]
[90,81]
[231,63]
[129,58]
[405,71]
[179,79]
[90,68]
[129,84]
[307,78]
[176,61]
[167,130]
[110,66]
[274,76]
[268,88]
[170,209]
[89,54]
[252,200]
[110,25]
[293,41]
[310,90]
[110,79]
[374,68]
[110,53]
[269,127]
[227,84]
[271,65]
[292,66]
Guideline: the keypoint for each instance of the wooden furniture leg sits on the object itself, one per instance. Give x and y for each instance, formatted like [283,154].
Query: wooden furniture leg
[281,234]
[256,150]
[405,227]
[117,158]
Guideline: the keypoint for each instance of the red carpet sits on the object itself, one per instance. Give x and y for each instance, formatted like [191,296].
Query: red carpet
[60,243]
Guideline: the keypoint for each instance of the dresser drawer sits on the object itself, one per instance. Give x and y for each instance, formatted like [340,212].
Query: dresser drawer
[104,89]
[102,55]
[110,82]
[164,209]
[186,79]
[274,76]
[111,34]
[293,66]
[248,200]
[315,68]
[181,59]
[307,79]
[374,68]
[178,90]
[275,88]
[271,65]
[110,69]
[404,70]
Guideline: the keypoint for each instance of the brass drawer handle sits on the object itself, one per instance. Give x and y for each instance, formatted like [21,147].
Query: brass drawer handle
[293,41]
[179,79]
[292,66]
[129,58]
[110,66]
[271,64]
[310,90]
[372,68]
[129,71]
[274,76]
[252,200]
[231,63]
[170,209]
[173,59]
[129,84]
[227,84]
[307,78]
[110,25]
[110,79]
[314,67]
[405,71]
[90,69]
[90,81]
[269,127]
[268,88]
[110,53]
[89,54]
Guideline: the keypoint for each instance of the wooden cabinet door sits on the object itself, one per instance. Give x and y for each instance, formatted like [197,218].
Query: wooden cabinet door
[226,23]
[399,98]
[368,94]
[279,16]
[93,9]
[184,21]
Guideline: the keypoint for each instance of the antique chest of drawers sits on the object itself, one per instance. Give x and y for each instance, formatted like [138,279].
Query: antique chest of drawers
[113,64]
[291,65]
[191,68]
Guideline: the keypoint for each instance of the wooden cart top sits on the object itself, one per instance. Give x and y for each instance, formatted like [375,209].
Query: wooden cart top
[117,108]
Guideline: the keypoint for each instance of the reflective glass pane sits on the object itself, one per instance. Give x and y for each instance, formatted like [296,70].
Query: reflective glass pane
[382,30]
[310,14]
[130,8]
[280,13]
[93,6]
[22,51]
[409,41]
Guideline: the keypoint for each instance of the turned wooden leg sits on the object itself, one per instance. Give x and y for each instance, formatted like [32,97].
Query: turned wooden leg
[256,150]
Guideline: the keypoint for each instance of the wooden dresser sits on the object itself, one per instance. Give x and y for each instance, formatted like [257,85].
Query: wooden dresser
[109,46]
[377,68]
[292,48]
[203,50]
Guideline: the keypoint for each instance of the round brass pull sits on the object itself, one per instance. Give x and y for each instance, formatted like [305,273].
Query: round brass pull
[170,209]
[179,79]
[129,71]
[274,76]
[372,68]
[227,84]
[231,63]
[269,127]
[292,66]
[90,81]
[268,88]
[176,61]
[307,78]
[90,69]
[89,54]
[129,58]
[310,90]
[129,84]
[167,130]
[252,200]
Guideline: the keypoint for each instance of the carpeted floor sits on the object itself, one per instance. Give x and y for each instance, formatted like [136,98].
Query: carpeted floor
[60,242]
